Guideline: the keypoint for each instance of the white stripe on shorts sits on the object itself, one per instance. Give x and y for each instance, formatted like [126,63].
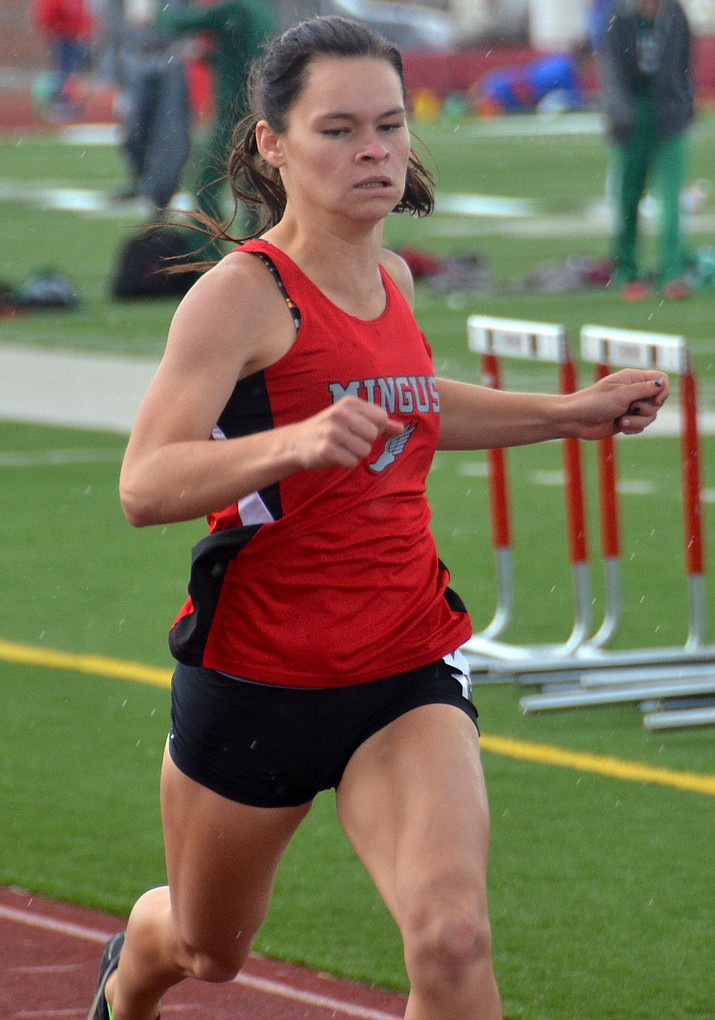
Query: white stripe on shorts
[458,661]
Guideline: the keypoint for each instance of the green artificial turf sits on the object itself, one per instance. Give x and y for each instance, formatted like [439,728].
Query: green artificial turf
[601,890]
[587,872]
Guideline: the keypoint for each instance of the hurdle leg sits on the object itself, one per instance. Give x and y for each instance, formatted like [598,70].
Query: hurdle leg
[610,535]
[501,522]
[495,338]
[692,509]
[576,524]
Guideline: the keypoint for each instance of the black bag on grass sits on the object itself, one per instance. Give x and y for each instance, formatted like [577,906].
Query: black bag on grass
[149,265]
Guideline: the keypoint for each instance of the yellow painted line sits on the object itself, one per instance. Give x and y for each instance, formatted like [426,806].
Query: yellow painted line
[602,765]
[96,665]
[521,750]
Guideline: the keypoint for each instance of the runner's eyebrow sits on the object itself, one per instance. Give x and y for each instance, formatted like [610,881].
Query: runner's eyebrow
[339,115]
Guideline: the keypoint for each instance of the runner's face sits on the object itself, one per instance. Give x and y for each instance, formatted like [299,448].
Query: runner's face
[346,147]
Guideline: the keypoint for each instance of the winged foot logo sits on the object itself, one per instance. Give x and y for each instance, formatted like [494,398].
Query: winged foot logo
[403,394]
[393,448]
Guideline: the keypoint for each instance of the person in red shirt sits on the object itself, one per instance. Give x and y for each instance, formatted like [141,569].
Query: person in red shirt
[67,26]
[297,408]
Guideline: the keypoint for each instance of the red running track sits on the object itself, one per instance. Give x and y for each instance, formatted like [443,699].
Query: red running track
[49,955]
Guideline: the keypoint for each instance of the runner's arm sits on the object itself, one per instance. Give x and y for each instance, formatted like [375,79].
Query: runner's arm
[476,417]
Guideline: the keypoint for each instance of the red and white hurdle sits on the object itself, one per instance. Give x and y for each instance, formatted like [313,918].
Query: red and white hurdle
[495,339]
[655,677]
[581,670]
[619,348]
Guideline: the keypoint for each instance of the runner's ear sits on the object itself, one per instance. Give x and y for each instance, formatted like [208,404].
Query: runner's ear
[269,144]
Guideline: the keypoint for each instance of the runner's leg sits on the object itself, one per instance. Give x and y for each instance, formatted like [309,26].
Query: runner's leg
[221,860]
[413,803]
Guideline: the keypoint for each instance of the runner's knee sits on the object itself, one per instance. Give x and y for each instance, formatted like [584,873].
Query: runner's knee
[215,965]
[444,949]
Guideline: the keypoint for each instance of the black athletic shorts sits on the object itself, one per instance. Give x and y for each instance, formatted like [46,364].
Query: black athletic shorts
[275,746]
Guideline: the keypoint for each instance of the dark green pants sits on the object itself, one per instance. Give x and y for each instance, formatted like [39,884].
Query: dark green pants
[647,160]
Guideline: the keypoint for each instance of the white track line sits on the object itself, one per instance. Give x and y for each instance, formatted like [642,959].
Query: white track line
[268,987]
[50,1014]
[311,999]
[75,931]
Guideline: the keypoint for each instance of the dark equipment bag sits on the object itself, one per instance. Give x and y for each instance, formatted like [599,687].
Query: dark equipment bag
[149,264]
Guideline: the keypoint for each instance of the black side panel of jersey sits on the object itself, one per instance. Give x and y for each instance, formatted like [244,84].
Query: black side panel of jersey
[209,561]
[248,411]
[451,597]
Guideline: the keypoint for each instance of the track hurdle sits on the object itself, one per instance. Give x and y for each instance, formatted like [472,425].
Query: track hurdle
[619,348]
[686,672]
[493,339]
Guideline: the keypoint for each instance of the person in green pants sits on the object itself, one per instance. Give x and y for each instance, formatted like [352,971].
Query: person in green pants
[648,100]
[236,31]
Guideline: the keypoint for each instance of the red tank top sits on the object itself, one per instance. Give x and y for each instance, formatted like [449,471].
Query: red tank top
[331,577]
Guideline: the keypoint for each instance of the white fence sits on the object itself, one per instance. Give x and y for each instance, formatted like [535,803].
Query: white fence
[552,23]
